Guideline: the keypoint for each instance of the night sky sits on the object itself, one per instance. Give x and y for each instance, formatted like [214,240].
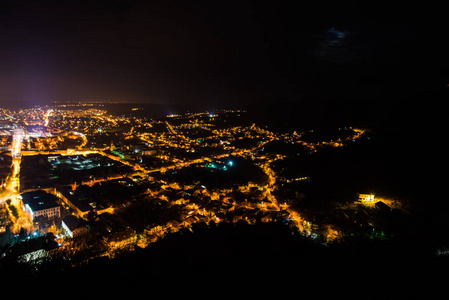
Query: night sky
[219,52]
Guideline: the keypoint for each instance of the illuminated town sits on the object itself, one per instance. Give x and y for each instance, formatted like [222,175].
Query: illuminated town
[223,144]
[98,184]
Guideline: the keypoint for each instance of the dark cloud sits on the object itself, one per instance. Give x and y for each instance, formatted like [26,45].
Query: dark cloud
[205,51]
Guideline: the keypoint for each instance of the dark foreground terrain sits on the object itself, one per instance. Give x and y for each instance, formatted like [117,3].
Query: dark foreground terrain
[244,255]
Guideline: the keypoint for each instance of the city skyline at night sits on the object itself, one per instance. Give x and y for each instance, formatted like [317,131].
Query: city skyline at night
[238,140]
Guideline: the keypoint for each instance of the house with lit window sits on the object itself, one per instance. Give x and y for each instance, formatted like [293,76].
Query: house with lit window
[366,197]
[80,208]
[40,204]
[73,226]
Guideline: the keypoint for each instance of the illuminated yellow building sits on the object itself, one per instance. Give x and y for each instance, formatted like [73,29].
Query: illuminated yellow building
[366,197]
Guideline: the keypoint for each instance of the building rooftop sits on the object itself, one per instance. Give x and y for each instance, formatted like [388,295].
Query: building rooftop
[38,200]
[71,222]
